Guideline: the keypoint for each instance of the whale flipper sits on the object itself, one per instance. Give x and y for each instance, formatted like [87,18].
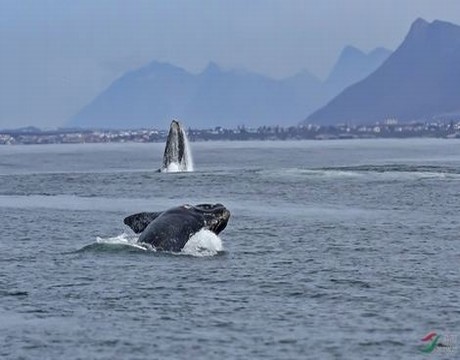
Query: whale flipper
[138,222]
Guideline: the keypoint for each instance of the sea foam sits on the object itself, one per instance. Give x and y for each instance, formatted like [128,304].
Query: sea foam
[122,239]
[203,243]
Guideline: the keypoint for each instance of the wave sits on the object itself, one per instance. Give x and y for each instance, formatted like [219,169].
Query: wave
[398,168]
[397,171]
[81,203]
[391,170]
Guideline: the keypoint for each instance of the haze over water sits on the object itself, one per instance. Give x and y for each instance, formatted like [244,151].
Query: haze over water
[336,249]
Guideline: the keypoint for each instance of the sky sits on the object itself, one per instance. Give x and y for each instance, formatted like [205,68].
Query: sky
[58,55]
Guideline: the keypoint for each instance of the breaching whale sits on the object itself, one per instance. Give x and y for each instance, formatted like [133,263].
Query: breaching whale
[177,156]
[171,229]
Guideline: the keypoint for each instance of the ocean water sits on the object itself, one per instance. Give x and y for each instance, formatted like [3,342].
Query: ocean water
[335,250]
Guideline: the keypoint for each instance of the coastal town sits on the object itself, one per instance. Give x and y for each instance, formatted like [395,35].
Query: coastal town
[388,129]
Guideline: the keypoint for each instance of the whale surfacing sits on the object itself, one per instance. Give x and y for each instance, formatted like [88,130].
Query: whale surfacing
[177,156]
[171,229]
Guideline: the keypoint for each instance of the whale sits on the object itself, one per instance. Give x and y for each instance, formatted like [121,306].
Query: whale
[177,156]
[170,230]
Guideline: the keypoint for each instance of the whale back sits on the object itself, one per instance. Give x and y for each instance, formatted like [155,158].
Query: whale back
[172,229]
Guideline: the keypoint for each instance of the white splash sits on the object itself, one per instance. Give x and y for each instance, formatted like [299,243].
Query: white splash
[173,167]
[122,239]
[203,243]
[187,152]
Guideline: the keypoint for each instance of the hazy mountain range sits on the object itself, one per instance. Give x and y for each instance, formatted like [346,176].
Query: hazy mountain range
[419,81]
[152,95]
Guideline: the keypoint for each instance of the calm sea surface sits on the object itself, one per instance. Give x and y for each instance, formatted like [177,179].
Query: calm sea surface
[335,250]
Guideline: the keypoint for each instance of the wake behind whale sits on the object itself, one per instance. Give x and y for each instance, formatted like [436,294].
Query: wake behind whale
[177,156]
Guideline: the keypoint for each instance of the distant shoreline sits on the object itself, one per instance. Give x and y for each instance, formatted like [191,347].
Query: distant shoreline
[34,136]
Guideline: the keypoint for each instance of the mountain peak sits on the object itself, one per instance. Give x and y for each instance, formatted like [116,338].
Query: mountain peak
[156,67]
[212,68]
[421,27]
[420,80]
[419,23]
[441,35]
[444,25]
[380,51]
[418,28]
[353,65]
[349,51]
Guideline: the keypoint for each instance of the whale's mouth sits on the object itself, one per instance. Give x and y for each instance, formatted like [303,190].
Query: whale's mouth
[220,222]
[216,216]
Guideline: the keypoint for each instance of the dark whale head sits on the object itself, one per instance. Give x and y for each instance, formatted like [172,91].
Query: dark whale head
[215,216]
